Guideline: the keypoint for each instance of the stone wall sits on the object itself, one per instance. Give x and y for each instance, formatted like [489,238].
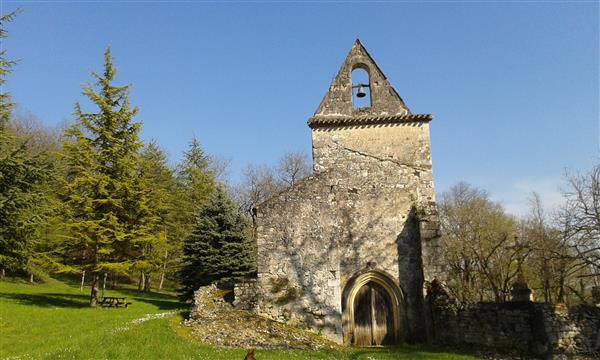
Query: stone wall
[394,157]
[245,295]
[365,208]
[537,329]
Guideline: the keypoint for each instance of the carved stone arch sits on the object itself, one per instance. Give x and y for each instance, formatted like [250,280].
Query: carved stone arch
[361,65]
[349,295]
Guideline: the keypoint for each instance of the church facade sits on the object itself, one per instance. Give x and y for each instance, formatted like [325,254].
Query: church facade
[347,251]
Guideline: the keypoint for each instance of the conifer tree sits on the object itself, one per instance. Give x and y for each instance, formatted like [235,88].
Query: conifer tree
[195,185]
[220,249]
[21,197]
[101,150]
[157,187]
[6,66]
[22,180]
[196,180]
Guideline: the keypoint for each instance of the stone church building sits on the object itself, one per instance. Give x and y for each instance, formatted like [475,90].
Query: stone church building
[347,251]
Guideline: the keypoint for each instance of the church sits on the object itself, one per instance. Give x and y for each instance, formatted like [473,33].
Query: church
[347,251]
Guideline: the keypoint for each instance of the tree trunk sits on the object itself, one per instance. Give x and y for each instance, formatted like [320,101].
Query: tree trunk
[162,274]
[561,289]
[104,284]
[2,274]
[147,284]
[546,285]
[31,278]
[82,280]
[142,281]
[94,293]
[162,280]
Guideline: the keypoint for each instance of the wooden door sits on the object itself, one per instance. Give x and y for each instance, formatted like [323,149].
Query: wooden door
[373,322]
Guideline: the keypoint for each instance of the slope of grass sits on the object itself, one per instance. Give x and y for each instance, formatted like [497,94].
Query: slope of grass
[53,321]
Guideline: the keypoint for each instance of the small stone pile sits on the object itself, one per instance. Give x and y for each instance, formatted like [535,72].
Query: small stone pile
[214,321]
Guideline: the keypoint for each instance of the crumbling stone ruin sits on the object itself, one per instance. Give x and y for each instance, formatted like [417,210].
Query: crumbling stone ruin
[214,321]
[349,251]
[520,327]
[346,252]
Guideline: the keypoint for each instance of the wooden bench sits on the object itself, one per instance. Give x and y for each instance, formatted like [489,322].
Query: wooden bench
[113,301]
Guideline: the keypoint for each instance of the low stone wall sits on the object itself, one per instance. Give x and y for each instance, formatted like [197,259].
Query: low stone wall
[245,295]
[537,329]
[573,330]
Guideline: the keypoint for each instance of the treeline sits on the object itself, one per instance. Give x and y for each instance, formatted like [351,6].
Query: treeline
[91,199]
[555,253]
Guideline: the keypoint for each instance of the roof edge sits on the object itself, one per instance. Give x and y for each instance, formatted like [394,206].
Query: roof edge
[321,121]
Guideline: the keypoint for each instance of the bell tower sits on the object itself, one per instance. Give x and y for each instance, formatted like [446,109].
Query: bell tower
[346,136]
[363,229]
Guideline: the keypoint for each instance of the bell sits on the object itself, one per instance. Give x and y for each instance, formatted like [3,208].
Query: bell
[361,92]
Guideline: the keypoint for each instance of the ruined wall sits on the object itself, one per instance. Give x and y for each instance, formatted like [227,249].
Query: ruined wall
[361,209]
[245,294]
[537,329]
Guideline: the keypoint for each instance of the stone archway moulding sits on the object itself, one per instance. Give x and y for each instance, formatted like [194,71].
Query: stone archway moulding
[351,289]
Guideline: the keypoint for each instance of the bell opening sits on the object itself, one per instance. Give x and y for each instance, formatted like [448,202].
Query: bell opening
[361,91]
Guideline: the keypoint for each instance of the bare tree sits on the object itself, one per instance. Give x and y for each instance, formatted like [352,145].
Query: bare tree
[259,184]
[292,167]
[39,138]
[479,243]
[219,166]
[550,264]
[580,216]
[485,250]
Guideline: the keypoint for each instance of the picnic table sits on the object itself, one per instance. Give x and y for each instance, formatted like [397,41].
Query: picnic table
[113,301]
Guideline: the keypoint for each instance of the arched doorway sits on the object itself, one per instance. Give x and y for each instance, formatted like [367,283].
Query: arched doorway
[371,310]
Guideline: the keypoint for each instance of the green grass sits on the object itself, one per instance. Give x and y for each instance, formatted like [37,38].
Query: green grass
[53,321]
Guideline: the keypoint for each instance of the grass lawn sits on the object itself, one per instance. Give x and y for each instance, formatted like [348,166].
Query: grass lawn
[53,321]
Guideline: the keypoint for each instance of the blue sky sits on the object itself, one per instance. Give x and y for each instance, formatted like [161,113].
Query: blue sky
[513,86]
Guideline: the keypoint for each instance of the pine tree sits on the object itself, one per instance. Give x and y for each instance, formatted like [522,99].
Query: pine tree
[6,65]
[101,151]
[196,180]
[220,249]
[21,196]
[157,187]
[22,180]
[195,185]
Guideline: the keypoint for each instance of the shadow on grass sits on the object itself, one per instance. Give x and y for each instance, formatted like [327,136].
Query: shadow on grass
[161,304]
[50,300]
[81,301]
[161,301]
[144,295]
[401,352]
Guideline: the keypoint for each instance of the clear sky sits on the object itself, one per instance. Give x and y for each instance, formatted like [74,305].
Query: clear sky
[513,86]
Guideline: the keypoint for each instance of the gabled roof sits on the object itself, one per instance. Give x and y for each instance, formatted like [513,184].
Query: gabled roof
[385,101]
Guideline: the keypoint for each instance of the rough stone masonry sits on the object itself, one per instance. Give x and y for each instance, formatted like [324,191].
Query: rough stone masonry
[346,252]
